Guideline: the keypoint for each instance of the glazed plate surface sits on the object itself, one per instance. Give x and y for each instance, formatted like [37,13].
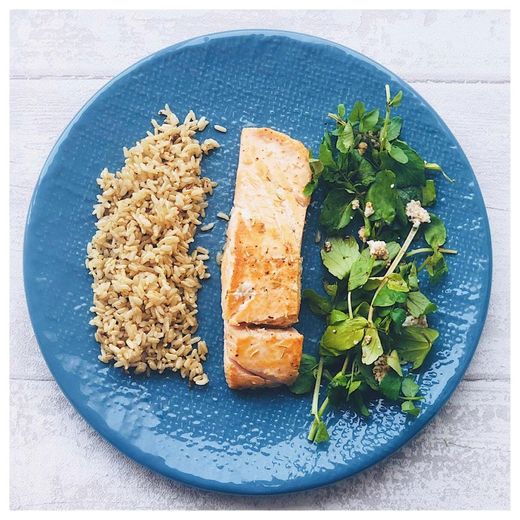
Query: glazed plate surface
[211,437]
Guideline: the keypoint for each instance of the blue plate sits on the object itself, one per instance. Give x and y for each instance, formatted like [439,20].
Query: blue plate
[212,437]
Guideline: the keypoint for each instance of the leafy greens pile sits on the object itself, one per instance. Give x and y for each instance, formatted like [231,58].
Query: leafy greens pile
[376,328]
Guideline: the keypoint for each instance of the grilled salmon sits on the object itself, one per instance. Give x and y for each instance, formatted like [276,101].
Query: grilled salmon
[261,357]
[261,264]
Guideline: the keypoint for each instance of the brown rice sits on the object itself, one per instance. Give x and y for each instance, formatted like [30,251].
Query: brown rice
[145,277]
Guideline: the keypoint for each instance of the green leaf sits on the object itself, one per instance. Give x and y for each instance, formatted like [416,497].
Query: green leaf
[359,404]
[398,315]
[410,408]
[343,253]
[397,283]
[341,305]
[337,317]
[428,193]
[369,120]
[337,211]
[360,270]
[414,344]
[341,110]
[367,375]
[394,362]
[418,305]
[390,386]
[372,284]
[373,349]
[354,385]
[337,389]
[409,388]
[435,232]
[383,196]
[322,435]
[357,112]
[316,168]
[393,248]
[409,192]
[413,281]
[397,154]
[386,297]
[310,187]
[305,381]
[409,174]
[342,336]
[394,128]
[325,156]
[436,267]
[436,167]
[345,139]
[367,173]
[375,156]
[396,100]
[383,323]
[330,288]
[318,304]
[362,309]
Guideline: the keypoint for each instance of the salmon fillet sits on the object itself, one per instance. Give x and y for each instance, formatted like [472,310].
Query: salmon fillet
[261,357]
[260,283]
[261,264]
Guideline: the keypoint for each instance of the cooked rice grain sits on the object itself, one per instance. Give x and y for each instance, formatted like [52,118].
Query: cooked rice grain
[146,278]
[208,227]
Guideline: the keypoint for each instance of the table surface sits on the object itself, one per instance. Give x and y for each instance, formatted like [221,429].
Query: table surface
[458,60]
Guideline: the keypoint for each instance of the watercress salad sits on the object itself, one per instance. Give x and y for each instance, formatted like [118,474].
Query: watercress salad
[377,331]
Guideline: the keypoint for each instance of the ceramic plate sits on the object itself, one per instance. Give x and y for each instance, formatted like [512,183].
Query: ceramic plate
[214,438]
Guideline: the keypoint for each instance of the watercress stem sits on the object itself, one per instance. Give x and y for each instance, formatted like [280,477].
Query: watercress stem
[392,268]
[349,299]
[323,407]
[387,92]
[316,395]
[384,129]
[351,376]
[345,364]
[337,119]
[402,251]
[437,168]
[422,266]
[430,250]
[312,431]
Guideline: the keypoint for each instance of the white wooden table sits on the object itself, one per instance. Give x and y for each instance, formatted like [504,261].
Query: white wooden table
[458,60]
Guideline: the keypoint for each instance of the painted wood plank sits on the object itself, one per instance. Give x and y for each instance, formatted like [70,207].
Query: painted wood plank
[418,45]
[460,461]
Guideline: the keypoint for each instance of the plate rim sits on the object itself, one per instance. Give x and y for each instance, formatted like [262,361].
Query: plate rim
[310,481]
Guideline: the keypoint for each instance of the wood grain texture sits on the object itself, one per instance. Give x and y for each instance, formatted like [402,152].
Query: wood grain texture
[425,45]
[459,62]
[445,467]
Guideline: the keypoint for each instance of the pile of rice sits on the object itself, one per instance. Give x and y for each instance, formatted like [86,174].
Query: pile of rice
[145,278]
